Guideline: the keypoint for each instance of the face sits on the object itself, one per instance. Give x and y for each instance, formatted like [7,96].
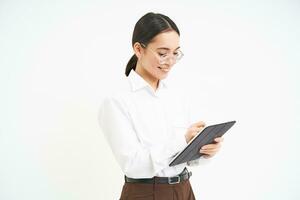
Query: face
[157,58]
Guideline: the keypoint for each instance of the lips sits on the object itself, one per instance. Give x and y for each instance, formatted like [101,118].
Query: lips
[164,69]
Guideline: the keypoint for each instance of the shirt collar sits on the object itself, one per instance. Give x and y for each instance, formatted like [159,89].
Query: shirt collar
[137,82]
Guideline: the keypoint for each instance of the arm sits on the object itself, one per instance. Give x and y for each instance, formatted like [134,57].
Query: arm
[129,152]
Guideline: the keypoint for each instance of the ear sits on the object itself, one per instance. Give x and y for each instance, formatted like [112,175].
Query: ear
[138,49]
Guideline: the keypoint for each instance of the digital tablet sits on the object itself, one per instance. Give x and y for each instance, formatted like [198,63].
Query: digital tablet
[204,137]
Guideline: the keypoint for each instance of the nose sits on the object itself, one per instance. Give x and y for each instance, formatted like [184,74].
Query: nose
[168,61]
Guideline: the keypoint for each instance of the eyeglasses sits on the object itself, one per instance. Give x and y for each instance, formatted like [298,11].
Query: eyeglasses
[165,57]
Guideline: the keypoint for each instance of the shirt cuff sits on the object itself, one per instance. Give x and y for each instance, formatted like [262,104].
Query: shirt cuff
[162,156]
[199,161]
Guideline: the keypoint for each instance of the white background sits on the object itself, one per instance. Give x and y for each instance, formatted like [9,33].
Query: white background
[59,59]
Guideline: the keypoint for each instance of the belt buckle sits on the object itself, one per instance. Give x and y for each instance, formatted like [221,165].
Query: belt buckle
[171,182]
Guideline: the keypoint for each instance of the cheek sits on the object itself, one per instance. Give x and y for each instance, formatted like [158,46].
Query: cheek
[151,64]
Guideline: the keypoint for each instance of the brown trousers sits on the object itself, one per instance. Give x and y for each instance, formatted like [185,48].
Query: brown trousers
[144,191]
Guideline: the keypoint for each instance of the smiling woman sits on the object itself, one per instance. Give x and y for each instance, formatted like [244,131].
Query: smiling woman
[157,58]
[155,39]
[148,123]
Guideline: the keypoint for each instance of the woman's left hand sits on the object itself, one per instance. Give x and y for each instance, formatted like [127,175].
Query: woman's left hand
[211,149]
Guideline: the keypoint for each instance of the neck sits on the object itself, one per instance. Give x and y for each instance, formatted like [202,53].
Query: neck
[153,82]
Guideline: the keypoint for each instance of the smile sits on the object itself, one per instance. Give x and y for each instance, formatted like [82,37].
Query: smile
[164,69]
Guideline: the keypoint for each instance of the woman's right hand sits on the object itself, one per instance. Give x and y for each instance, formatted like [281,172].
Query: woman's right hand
[193,130]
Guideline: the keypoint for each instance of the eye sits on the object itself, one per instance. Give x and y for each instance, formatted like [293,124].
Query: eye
[162,54]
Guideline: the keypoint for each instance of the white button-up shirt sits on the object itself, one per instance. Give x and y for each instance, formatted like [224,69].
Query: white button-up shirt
[145,128]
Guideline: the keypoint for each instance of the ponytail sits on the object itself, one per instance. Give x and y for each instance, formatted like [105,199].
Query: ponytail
[131,65]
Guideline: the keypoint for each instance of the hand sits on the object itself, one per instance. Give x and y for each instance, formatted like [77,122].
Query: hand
[193,130]
[211,149]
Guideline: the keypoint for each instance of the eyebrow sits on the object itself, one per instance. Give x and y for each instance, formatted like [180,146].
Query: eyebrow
[165,48]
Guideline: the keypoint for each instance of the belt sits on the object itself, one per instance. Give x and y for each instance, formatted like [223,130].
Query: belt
[185,175]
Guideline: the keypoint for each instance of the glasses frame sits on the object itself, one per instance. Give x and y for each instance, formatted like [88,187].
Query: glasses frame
[163,59]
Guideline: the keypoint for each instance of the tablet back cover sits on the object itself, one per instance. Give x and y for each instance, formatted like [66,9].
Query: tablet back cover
[207,136]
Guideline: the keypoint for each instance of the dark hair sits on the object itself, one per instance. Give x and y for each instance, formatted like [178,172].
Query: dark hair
[146,28]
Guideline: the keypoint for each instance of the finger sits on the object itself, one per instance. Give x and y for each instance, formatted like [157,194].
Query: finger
[199,124]
[219,139]
[212,149]
[196,129]
[211,146]
[209,152]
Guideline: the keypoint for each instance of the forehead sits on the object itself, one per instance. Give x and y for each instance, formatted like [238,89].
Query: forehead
[168,39]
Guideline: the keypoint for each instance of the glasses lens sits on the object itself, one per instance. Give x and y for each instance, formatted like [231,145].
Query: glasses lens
[163,59]
[175,58]
[178,55]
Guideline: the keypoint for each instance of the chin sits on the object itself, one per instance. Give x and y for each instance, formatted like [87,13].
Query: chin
[161,77]
[161,74]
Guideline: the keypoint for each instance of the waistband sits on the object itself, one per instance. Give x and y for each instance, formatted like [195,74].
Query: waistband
[184,175]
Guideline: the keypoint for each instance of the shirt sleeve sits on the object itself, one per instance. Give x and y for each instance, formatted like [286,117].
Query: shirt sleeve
[199,161]
[136,160]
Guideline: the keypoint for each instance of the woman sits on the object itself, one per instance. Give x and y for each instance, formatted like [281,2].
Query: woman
[147,123]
